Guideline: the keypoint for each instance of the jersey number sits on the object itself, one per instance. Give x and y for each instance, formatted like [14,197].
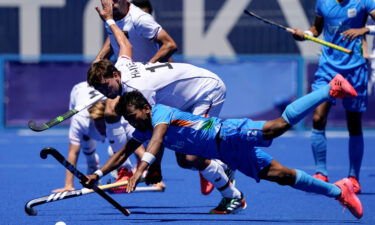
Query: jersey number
[93,94]
[153,68]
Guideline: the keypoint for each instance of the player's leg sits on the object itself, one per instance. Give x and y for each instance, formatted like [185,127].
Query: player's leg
[319,141]
[233,200]
[298,179]
[298,109]
[123,173]
[89,150]
[318,138]
[354,108]
[356,147]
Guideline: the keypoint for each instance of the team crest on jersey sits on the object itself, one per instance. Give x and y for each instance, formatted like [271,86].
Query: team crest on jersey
[352,12]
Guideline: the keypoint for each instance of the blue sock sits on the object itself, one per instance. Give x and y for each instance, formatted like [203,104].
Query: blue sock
[356,147]
[319,149]
[308,183]
[298,109]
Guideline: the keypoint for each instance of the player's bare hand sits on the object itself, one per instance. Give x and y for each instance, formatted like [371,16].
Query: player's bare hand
[353,33]
[298,34]
[106,11]
[133,181]
[63,189]
[91,180]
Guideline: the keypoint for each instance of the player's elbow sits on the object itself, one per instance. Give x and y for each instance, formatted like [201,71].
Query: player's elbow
[171,46]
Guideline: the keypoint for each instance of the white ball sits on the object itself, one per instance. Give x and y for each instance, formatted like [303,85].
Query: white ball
[60,223]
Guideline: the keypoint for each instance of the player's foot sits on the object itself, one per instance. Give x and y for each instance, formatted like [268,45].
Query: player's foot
[123,175]
[206,186]
[230,206]
[356,185]
[348,199]
[322,177]
[341,88]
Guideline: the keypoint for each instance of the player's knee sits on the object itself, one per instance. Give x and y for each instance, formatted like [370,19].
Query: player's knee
[319,121]
[183,163]
[284,176]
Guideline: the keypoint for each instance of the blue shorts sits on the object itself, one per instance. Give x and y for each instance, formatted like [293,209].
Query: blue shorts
[238,141]
[357,77]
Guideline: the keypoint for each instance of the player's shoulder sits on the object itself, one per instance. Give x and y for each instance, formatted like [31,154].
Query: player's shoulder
[82,87]
[82,84]
[137,15]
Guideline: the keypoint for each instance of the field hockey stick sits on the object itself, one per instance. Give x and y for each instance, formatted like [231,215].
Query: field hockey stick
[51,151]
[290,30]
[32,124]
[29,206]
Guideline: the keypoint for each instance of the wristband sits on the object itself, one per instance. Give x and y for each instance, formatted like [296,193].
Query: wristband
[148,158]
[110,22]
[308,32]
[371,28]
[99,173]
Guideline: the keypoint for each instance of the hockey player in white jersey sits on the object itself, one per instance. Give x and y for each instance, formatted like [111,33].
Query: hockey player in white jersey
[86,128]
[151,42]
[179,85]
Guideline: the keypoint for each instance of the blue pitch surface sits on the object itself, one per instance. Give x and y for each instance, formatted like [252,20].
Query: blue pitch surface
[25,176]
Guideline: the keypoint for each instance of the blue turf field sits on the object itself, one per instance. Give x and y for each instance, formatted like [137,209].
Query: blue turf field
[24,176]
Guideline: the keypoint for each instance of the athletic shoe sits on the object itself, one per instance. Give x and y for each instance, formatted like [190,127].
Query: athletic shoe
[356,185]
[206,186]
[230,206]
[341,88]
[123,175]
[322,177]
[348,199]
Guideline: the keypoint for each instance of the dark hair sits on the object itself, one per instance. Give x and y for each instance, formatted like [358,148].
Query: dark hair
[133,98]
[143,4]
[99,70]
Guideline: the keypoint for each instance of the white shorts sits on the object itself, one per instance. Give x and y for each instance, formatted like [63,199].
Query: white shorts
[200,96]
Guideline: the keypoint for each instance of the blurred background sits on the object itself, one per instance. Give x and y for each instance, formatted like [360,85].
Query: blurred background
[47,46]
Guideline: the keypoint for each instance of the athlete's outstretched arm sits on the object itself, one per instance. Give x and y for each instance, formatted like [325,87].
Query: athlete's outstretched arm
[116,159]
[106,14]
[103,53]
[72,158]
[152,149]
[167,47]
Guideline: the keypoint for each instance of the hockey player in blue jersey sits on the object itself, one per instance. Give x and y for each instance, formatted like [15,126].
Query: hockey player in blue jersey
[234,141]
[342,22]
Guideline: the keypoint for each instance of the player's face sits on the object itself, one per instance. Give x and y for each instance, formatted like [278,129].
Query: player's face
[140,119]
[110,87]
[120,9]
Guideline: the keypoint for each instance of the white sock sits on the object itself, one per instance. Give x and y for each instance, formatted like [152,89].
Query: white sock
[231,192]
[92,158]
[92,162]
[215,174]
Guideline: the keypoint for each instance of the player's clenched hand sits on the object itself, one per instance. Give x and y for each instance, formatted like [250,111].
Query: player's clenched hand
[154,174]
[106,12]
[133,181]
[91,180]
[298,34]
[353,33]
